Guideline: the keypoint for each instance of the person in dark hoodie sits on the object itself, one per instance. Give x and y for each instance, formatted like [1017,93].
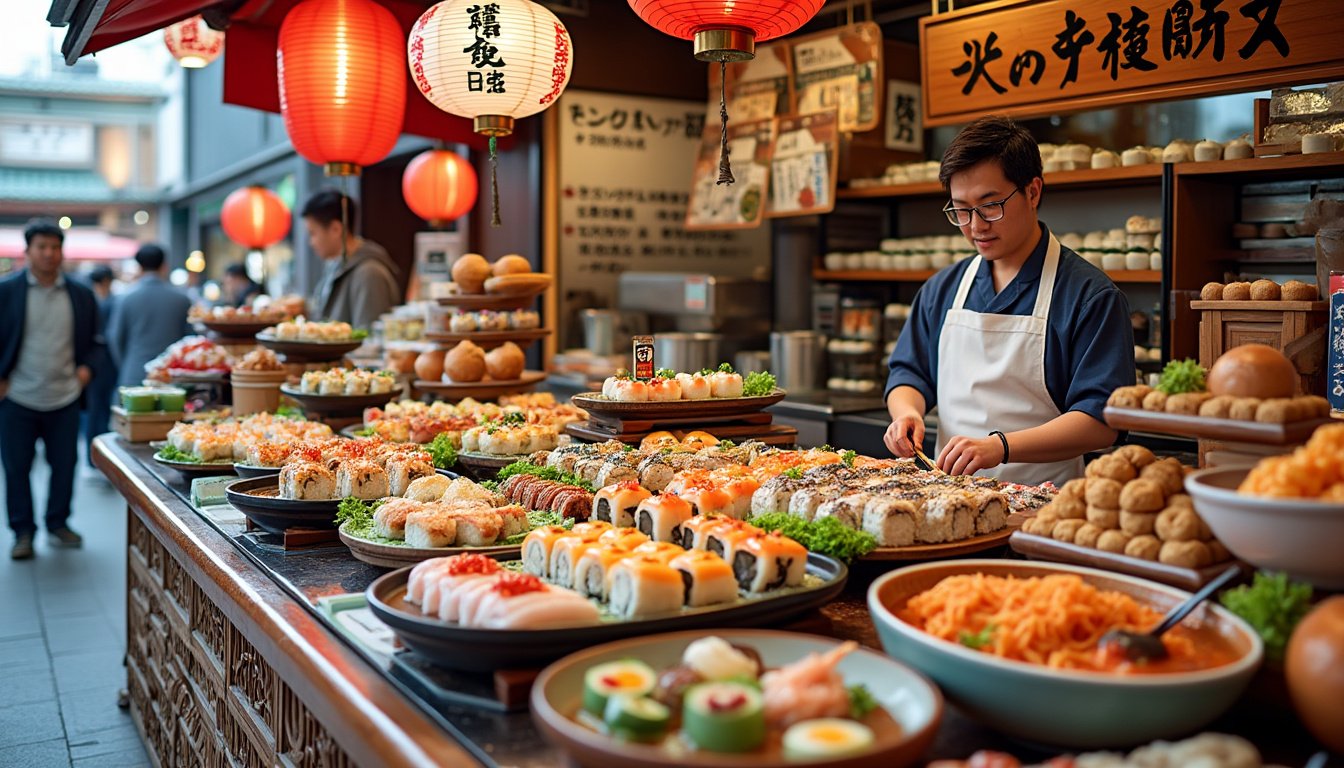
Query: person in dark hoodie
[360,282]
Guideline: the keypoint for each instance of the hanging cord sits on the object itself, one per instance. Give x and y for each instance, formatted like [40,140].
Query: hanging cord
[494,185]
[725,167]
[345,217]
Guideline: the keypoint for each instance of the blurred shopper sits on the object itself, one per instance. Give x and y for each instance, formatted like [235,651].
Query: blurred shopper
[147,318]
[239,288]
[98,396]
[48,335]
[360,282]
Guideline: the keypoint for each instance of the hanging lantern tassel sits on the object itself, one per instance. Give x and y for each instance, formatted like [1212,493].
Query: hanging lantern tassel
[725,167]
[494,185]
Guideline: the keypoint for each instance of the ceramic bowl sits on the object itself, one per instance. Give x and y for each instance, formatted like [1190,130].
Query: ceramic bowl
[911,701]
[1298,536]
[1069,708]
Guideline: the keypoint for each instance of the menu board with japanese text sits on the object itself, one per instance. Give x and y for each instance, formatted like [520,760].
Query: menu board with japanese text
[802,173]
[758,88]
[1032,58]
[840,69]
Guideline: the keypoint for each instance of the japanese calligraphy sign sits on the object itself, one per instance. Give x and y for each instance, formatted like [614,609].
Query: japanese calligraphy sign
[840,69]
[732,206]
[1040,57]
[1334,377]
[802,174]
[905,124]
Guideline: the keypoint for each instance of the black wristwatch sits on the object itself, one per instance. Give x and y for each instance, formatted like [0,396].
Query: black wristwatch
[1003,439]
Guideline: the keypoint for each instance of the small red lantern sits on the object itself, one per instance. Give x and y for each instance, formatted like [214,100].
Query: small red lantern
[254,217]
[439,186]
[342,82]
[193,42]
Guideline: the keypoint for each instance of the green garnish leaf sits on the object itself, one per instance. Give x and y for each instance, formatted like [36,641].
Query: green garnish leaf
[359,334]
[513,418]
[1182,376]
[826,536]
[625,375]
[537,519]
[826,448]
[848,457]
[707,371]
[758,384]
[665,373]
[290,412]
[545,473]
[357,517]
[171,453]
[489,485]
[726,444]
[978,640]
[726,368]
[365,432]
[442,450]
[861,701]
[793,473]
[1273,605]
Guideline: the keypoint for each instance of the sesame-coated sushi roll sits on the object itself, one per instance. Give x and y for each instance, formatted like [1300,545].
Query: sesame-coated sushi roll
[848,509]
[806,501]
[537,546]
[775,494]
[404,470]
[644,586]
[660,517]
[389,520]
[307,480]
[616,504]
[892,522]
[694,386]
[655,472]
[707,579]
[362,479]
[769,561]
[947,517]
[616,469]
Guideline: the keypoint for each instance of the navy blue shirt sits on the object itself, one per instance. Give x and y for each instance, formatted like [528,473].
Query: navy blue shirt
[1089,345]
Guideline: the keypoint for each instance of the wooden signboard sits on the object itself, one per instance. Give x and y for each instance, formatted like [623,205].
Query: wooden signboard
[802,174]
[1032,58]
[759,88]
[740,205]
[841,69]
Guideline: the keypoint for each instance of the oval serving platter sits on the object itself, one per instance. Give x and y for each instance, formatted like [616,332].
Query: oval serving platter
[338,403]
[595,403]
[190,469]
[464,648]
[910,707]
[401,556]
[308,351]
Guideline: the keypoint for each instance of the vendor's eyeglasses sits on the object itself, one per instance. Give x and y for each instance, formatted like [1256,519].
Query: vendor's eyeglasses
[960,217]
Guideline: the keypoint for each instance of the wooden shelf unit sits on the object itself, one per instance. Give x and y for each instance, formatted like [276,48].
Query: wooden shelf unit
[918,276]
[1280,168]
[1134,175]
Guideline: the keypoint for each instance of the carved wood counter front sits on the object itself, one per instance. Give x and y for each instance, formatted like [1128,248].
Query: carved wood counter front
[225,668]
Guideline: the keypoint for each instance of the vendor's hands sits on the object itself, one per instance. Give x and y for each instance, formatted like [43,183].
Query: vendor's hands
[968,455]
[84,374]
[905,434]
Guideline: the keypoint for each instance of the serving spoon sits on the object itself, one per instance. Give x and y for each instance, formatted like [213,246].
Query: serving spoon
[1148,646]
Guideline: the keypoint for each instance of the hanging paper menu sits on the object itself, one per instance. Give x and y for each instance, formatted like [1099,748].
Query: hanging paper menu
[739,205]
[759,88]
[802,174]
[840,69]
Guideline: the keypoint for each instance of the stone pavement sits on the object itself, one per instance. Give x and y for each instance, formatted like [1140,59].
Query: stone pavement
[63,636]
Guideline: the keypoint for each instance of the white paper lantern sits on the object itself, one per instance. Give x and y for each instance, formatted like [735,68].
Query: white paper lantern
[491,61]
[193,42]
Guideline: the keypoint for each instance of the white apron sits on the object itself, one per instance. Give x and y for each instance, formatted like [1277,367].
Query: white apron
[991,375]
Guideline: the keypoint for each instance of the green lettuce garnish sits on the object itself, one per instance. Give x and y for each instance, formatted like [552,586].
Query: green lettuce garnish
[291,413]
[1182,376]
[848,457]
[442,450]
[357,517]
[545,473]
[171,453]
[758,384]
[1273,605]
[365,432]
[826,536]
[359,334]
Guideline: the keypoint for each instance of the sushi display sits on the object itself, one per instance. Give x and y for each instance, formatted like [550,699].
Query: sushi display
[233,440]
[721,698]
[510,435]
[301,329]
[539,494]
[475,591]
[348,382]
[416,422]
[670,386]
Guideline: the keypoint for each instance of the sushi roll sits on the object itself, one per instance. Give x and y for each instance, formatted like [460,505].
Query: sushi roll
[475,527]
[307,480]
[627,678]
[521,601]
[694,386]
[725,383]
[471,439]
[593,528]
[644,585]
[947,517]
[662,390]
[513,520]
[389,520]
[660,550]
[695,532]
[706,500]
[362,479]
[723,540]
[616,504]
[826,738]
[630,391]
[332,383]
[311,382]
[892,522]
[769,561]
[625,537]
[740,491]
[775,494]
[358,382]
[427,488]
[402,471]
[589,467]
[655,472]
[708,580]
[462,322]
[616,469]
[991,510]
[660,517]
[431,528]
[848,509]
[212,447]
[590,577]
[537,547]
[382,383]
[725,716]
[565,556]
[805,502]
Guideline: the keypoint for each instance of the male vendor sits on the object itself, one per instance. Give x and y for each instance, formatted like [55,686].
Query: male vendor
[1019,347]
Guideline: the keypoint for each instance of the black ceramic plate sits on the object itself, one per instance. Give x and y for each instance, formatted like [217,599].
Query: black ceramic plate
[249,471]
[189,469]
[338,403]
[259,499]
[456,647]
[308,351]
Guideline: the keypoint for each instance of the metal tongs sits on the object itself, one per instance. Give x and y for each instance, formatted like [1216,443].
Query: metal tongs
[925,463]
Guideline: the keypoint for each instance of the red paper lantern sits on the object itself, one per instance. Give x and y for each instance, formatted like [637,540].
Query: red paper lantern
[342,82]
[254,217]
[193,42]
[439,185]
[726,30]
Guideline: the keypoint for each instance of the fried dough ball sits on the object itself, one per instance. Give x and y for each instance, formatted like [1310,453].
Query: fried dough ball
[1276,410]
[1137,455]
[1111,467]
[1296,290]
[1211,292]
[1074,489]
[1244,408]
[1237,292]
[1144,547]
[1177,524]
[1137,523]
[1187,403]
[1313,406]
[1217,407]
[1180,500]
[1104,492]
[1065,530]
[1185,554]
[1032,526]
[1265,290]
[1087,535]
[1129,397]
[1113,541]
[1142,496]
[1168,473]
[1107,518]
[1048,516]
[1217,552]
[1155,401]
[1070,508]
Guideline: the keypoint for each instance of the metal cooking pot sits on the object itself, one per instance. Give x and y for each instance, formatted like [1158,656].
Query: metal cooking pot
[686,352]
[798,359]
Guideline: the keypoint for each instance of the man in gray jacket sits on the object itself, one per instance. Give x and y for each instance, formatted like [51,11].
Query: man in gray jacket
[360,282]
[147,318]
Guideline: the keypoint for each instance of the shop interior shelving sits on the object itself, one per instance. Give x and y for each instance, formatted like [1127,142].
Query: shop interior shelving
[1089,178]
[918,276]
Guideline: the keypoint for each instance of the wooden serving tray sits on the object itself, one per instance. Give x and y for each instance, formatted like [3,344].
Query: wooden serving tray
[1044,548]
[770,434]
[1263,306]
[1231,430]
[481,390]
[603,409]
[490,339]
[478,301]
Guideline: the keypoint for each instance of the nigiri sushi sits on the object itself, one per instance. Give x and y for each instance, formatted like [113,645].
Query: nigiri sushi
[616,504]
[664,389]
[429,571]
[694,386]
[660,517]
[630,391]
[725,382]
